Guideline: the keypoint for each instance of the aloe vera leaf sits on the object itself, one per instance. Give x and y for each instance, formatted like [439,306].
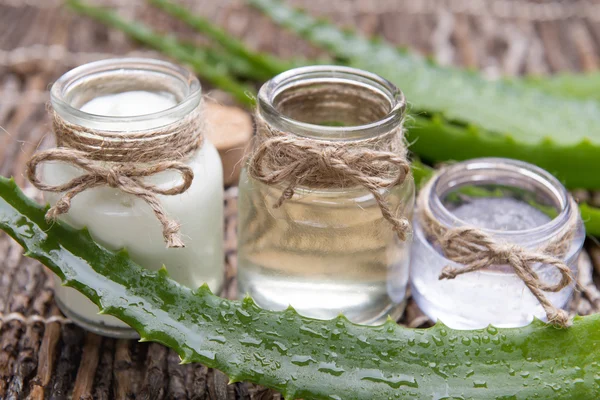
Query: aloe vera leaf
[307,358]
[267,65]
[263,66]
[218,60]
[525,115]
[580,86]
[591,218]
[434,139]
[585,86]
[169,46]
[225,62]
[421,172]
[459,95]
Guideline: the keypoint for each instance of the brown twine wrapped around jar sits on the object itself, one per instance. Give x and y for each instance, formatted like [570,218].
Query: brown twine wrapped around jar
[476,250]
[122,160]
[376,164]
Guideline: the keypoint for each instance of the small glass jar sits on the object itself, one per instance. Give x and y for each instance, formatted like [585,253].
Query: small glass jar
[125,95]
[516,203]
[326,251]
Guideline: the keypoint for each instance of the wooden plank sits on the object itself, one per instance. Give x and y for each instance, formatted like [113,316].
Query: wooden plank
[550,35]
[9,91]
[123,371]
[84,381]
[29,342]
[20,299]
[582,38]
[19,130]
[46,359]
[463,38]
[103,381]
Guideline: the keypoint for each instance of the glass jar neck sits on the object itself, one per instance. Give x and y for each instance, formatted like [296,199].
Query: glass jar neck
[82,84]
[331,103]
[508,173]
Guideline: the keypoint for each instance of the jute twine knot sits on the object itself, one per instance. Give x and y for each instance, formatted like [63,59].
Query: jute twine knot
[121,160]
[475,250]
[376,164]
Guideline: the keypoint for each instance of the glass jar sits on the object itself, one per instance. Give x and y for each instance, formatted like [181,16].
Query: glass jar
[128,95]
[326,251]
[516,203]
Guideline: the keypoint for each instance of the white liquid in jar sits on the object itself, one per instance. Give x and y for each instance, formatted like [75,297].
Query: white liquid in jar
[119,220]
[475,300]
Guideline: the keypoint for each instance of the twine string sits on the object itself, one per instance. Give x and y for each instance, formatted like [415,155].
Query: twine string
[475,250]
[122,161]
[281,157]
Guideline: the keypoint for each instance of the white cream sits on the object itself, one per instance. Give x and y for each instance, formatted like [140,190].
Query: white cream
[119,220]
[129,104]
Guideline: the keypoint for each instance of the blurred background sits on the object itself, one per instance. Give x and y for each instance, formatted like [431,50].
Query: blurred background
[43,355]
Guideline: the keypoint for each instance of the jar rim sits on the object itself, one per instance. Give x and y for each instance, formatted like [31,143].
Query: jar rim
[478,168]
[66,82]
[331,74]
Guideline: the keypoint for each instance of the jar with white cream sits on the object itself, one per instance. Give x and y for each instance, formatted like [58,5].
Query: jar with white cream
[125,98]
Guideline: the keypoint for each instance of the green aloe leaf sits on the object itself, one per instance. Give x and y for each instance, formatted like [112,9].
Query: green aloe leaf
[433,138]
[169,45]
[584,86]
[307,358]
[265,65]
[500,118]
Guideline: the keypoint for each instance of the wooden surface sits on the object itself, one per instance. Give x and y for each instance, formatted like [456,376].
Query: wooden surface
[42,354]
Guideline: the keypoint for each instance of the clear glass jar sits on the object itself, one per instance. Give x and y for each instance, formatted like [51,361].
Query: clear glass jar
[325,251]
[120,220]
[516,203]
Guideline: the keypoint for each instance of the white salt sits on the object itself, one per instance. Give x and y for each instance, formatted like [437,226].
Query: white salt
[480,298]
[500,213]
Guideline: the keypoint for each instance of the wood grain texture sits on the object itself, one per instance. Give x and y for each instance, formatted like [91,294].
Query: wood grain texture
[39,41]
[84,382]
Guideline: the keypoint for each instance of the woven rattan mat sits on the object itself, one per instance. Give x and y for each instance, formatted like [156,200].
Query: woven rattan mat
[43,355]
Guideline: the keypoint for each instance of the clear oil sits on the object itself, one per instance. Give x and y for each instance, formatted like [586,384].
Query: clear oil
[323,252]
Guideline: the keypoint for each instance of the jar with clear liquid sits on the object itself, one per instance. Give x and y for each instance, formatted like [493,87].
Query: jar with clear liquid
[107,95]
[516,203]
[325,251]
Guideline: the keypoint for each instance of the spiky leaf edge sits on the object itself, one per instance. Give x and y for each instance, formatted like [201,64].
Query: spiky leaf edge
[307,358]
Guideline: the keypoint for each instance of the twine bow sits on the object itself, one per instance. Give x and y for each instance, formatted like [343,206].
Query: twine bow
[284,158]
[476,250]
[122,160]
[125,177]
